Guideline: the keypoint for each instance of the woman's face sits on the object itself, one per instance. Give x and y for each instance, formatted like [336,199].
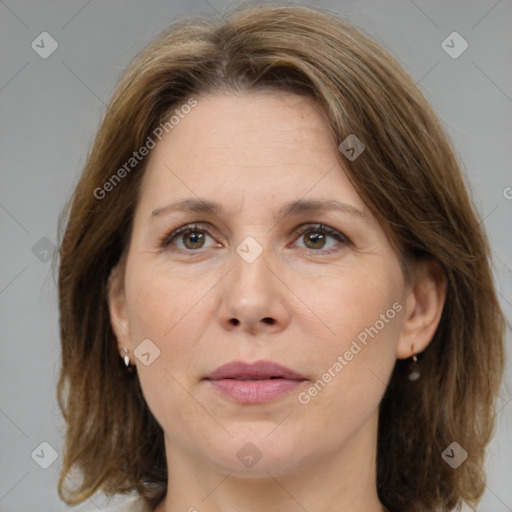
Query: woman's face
[255,278]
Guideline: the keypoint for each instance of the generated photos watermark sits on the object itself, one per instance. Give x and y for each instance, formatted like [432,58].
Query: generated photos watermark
[137,156]
[341,361]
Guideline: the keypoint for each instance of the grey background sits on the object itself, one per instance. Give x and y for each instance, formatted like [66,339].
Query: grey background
[50,109]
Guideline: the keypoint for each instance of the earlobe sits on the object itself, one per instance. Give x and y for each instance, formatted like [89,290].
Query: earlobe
[423,309]
[117,309]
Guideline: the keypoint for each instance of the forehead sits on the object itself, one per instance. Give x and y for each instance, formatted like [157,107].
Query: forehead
[256,144]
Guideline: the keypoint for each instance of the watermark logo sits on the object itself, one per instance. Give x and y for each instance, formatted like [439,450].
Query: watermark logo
[454,45]
[147,352]
[249,455]
[351,147]
[44,250]
[454,455]
[44,455]
[44,45]
[249,249]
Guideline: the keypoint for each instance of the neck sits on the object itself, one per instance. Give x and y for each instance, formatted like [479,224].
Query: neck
[342,480]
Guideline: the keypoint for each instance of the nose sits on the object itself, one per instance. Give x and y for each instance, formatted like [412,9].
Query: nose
[254,299]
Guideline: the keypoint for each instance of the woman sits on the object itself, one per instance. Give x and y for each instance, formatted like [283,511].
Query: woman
[275,292]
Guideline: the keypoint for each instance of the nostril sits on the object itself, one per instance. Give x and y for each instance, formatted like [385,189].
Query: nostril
[269,320]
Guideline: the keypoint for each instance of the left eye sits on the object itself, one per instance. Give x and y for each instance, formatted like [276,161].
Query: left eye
[315,237]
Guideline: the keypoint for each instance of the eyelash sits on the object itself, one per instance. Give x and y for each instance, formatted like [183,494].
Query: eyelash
[316,228]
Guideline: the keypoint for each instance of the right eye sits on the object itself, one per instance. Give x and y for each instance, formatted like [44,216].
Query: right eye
[191,237]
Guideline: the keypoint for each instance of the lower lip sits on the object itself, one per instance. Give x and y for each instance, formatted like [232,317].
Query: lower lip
[255,391]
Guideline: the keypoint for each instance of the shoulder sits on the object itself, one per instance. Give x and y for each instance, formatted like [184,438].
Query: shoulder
[131,505]
[125,504]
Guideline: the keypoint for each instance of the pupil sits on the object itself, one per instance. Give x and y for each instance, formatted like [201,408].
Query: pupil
[195,238]
[315,238]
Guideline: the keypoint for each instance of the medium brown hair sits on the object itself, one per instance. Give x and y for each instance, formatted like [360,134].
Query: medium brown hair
[408,176]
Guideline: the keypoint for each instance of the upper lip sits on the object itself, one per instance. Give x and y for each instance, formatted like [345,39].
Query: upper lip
[240,370]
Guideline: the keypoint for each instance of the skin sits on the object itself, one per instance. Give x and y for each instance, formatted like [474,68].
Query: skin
[252,153]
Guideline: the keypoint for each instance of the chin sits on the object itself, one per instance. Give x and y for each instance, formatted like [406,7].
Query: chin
[255,454]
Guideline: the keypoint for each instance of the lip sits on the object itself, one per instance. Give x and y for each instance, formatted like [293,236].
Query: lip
[254,383]
[240,370]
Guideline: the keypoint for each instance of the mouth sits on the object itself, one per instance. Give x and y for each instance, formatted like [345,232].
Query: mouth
[255,383]
[260,370]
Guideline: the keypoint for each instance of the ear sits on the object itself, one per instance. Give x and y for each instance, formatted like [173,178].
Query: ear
[118,309]
[423,308]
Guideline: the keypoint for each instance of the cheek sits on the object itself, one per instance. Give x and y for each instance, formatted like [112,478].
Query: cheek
[161,303]
[166,310]
[356,355]
[357,304]
[353,368]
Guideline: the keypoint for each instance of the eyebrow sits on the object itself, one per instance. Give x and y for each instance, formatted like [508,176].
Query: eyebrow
[297,207]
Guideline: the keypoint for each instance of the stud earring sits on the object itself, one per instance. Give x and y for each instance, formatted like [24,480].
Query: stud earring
[414,372]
